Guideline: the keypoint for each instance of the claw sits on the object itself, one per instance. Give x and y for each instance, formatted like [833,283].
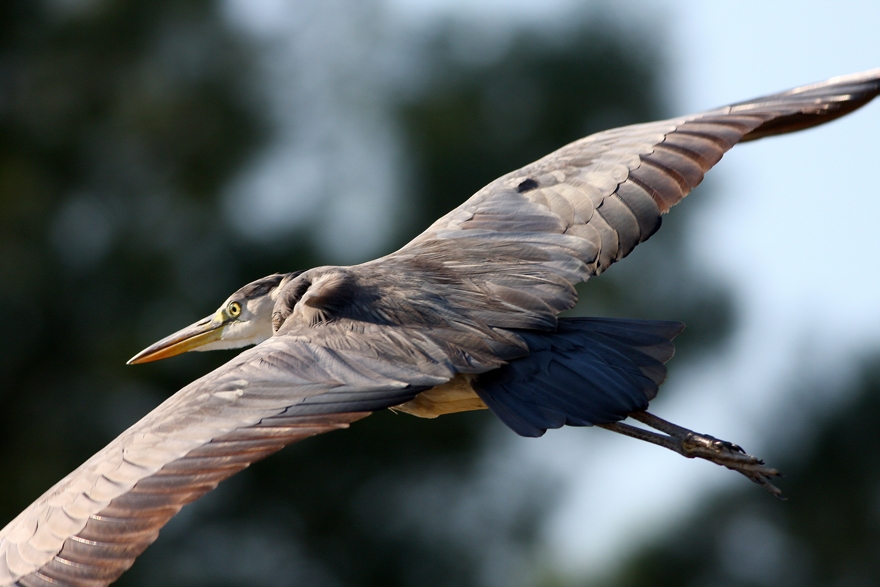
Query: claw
[692,444]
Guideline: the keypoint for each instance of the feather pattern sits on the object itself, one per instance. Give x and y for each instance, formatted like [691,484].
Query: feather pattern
[473,292]
[590,371]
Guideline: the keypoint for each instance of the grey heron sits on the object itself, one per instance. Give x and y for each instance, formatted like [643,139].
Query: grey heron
[462,317]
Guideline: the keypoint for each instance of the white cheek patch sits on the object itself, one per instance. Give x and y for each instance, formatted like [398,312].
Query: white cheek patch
[238,334]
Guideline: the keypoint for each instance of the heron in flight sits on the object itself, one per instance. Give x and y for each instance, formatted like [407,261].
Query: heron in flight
[461,318]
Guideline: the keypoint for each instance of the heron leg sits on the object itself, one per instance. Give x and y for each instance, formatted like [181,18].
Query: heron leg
[692,444]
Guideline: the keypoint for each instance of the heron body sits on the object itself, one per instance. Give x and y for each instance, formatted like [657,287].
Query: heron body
[463,317]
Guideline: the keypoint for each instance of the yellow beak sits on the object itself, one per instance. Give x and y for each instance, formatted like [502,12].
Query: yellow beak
[187,339]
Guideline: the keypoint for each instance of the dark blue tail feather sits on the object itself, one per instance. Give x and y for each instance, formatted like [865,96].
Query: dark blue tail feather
[590,371]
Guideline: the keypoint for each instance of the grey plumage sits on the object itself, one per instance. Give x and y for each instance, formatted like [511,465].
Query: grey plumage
[476,291]
[589,371]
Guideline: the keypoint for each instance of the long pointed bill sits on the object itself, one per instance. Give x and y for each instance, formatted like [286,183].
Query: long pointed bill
[190,338]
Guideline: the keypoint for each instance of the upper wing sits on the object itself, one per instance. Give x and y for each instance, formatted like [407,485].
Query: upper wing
[89,528]
[571,214]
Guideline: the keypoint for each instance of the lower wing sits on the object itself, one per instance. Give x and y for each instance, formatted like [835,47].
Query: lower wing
[91,526]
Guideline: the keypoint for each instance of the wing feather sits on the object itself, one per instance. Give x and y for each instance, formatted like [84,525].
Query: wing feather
[91,526]
[508,258]
[610,189]
[590,371]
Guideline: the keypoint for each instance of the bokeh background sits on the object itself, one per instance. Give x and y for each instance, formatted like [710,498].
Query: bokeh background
[156,155]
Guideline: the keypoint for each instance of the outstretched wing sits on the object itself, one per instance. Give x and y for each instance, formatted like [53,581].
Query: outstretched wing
[507,259]
[527,236]
[90,527]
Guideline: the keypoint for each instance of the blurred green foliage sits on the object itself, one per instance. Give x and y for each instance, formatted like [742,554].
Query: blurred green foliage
[472,121]
[120,125]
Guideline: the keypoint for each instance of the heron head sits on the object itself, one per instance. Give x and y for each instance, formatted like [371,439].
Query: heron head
[245,318]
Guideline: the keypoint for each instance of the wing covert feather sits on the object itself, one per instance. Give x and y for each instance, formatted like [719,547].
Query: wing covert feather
[611,188]
[90,527]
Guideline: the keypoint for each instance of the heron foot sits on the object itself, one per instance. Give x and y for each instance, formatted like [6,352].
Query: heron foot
[692,444]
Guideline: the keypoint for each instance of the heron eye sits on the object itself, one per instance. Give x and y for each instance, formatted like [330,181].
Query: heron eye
[233,309]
